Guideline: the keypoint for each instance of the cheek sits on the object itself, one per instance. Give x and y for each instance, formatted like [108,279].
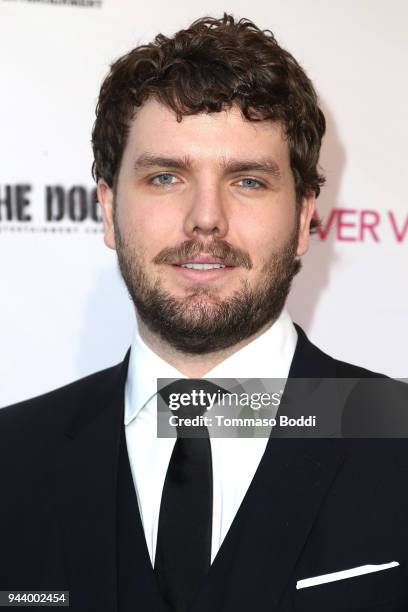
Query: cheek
[146,226]
[265,231]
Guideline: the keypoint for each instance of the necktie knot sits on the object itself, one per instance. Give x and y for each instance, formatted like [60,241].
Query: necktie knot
[188,398]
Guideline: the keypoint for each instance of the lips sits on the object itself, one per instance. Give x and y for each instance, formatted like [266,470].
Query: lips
[203,268]
[203,262]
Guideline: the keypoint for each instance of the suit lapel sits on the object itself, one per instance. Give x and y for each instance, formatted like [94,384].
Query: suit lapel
[85,494]
[261,549]
[309,361]
[309,390]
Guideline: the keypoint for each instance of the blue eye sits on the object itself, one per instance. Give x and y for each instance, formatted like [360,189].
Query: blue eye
[251,183]
[163,179]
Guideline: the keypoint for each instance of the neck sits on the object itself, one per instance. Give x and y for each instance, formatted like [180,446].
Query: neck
[193,366]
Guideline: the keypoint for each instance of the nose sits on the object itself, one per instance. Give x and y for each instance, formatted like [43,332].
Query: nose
[207,215]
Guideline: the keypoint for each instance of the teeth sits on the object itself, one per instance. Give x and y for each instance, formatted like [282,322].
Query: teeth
[202,266]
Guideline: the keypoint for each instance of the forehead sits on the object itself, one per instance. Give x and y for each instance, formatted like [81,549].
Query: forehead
[205,136]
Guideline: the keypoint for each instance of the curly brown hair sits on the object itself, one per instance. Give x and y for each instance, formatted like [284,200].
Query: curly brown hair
[210,66]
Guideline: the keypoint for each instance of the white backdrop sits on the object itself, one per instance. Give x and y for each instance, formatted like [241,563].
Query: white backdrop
[63,311]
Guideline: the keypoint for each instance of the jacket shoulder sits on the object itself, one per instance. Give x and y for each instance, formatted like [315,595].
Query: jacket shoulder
[311,361]
[55,409]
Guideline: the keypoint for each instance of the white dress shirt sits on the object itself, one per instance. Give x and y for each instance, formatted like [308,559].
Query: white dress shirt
[234,460]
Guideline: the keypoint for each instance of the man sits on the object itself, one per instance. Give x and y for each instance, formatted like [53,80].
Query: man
[206,147]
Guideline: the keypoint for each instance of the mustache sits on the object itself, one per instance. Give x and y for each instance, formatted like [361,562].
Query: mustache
[217,248]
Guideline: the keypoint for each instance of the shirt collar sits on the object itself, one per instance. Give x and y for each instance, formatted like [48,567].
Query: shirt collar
[268,356]
[145,367]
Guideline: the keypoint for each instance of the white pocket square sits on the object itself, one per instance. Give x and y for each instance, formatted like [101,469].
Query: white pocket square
[350,573]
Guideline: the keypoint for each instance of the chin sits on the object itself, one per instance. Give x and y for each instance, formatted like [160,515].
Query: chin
[203,299]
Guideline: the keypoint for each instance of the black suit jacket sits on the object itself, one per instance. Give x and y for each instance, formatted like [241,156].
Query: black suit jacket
[69,518]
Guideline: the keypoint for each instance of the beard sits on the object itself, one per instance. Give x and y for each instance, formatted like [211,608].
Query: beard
[201,322]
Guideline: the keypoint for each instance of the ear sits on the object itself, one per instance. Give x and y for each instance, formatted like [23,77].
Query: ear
[105,199]
[306,215]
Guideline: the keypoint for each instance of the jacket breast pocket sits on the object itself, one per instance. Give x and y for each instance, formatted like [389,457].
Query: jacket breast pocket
[383,591]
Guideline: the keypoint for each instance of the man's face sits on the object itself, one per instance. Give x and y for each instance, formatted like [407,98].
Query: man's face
[212,190]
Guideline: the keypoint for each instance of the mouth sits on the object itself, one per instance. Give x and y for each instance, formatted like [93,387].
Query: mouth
[203,268]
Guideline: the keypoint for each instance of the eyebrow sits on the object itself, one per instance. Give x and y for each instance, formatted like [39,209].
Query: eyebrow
[150,161]
[266,165]
[231,166]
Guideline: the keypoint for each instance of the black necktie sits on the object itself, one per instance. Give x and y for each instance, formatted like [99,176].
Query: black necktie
[183,551]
